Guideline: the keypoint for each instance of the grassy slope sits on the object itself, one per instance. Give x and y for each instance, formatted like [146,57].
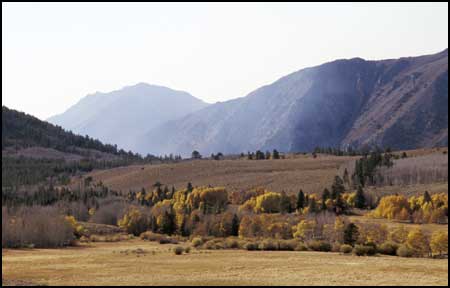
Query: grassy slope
[290,174]
[103,264]
[299,172]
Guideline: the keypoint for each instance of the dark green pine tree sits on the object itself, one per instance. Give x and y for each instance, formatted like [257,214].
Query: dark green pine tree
[300,200]
[427,197]
[143,201]
[340,206]
[168,224]
[337,188]
[183,228]
[235,226]
[189,187]
[325,196]
[153,224]
[360,201]
[351,234]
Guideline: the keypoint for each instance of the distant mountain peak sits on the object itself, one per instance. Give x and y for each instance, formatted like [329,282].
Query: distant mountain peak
[122,115]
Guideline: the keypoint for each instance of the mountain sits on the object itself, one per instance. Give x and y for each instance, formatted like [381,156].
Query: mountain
[37,152]
[401,103]
[25,135]
[122,116]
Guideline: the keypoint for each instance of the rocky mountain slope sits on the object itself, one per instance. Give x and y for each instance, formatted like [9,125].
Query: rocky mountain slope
[401,103]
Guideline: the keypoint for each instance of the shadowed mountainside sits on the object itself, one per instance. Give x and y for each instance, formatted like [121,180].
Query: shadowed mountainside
[401,103]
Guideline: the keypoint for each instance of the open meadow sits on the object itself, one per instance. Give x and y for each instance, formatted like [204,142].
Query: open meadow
[136,262]
[305,172]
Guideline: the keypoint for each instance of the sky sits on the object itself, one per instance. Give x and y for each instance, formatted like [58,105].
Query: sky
[53,54]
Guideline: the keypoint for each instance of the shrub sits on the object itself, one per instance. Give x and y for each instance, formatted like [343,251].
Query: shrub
[178,250]
[364,250]
[418,242]
[37,226]
[301,247]
[97,238]
[287,245]
[346,249]
[267,245]
[109,213]
[241,244]
[187,250]
[388,248]
[214,244]
[78,229]
[320,246]
[231,243]
[197,242]
[251,246]
[439,242]
[108,238]
[134,222]
[84,239]
[165,240]
[150,236]
[405,251]
[336,247]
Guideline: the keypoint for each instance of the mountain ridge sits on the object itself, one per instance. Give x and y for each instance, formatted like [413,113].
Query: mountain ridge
[142,106]
[339,92]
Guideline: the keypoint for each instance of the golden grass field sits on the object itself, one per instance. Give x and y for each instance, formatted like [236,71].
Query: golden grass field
[104,264]
[289,175]
[305,172]
[117,264]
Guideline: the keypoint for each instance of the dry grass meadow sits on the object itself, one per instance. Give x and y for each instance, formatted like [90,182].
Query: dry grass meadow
[153,264]
[138,262]
[289,175]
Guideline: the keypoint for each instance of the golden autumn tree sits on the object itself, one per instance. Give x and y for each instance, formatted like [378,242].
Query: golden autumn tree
[134,222]
[390,207]
[418,242]
[439,242]
[268,203]
[399,235]
[305,230]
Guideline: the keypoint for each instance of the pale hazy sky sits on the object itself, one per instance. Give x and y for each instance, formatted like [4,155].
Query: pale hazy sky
[55,54]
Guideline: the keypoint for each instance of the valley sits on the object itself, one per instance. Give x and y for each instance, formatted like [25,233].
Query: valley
[334,174]
[106,264]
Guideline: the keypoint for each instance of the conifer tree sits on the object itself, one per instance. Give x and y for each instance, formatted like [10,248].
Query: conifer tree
[235,226]
[351,234]
[300,200]
[360,201]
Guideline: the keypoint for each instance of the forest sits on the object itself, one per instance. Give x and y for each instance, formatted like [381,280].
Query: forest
[258,219]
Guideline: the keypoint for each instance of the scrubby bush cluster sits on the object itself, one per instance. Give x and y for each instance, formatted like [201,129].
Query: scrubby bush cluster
[198,211]
[400,241]
[336,200]
[160,238]
[423,209]
[40,227]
